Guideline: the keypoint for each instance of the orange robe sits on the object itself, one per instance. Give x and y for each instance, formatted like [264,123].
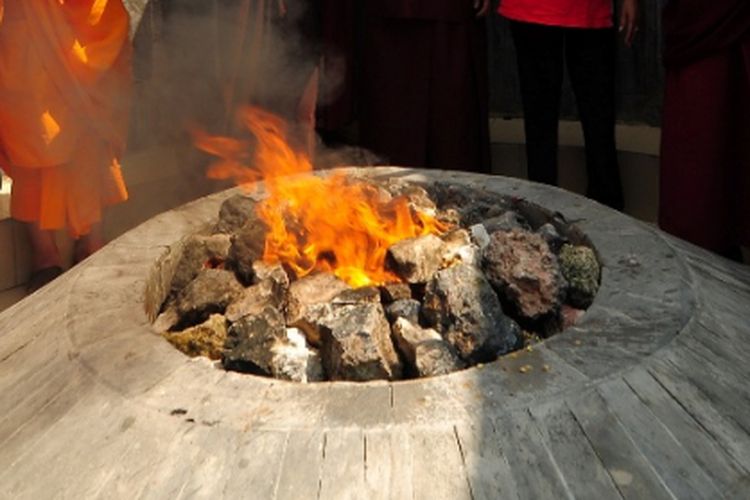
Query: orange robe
[64,98]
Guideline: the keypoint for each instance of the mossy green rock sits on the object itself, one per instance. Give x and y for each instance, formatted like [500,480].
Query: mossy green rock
[581,270]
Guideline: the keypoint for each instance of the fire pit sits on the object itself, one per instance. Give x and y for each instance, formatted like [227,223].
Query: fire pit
[645,396]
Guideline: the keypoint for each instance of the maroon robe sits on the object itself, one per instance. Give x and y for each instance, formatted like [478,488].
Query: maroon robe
[424,98]
[705,153]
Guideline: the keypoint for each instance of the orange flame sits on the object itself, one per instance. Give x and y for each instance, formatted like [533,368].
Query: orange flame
[331,224]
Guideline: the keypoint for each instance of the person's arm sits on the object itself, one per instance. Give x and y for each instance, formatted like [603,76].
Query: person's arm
[629,20]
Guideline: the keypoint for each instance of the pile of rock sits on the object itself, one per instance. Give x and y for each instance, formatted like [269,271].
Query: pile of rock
[508,271]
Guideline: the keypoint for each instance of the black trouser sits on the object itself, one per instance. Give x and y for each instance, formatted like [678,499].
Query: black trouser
[541,52]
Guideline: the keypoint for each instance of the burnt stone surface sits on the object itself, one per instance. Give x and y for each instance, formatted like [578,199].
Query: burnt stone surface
[409,309]
[247,246]
[424,349]
[523,270]
[357,345]
[580,267]
[460,303]
[552,236]
[199,252]
[210,292]
[369,295]
[251,341]
[415,260]
[459,248]
[310,290]
[254,299]
[273,272]
[508,221]
[392,292]
[235,212]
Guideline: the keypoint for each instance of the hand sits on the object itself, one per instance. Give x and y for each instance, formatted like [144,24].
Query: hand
[629,21]
[481,7]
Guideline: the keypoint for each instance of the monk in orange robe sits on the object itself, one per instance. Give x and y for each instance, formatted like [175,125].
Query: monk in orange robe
[64,100]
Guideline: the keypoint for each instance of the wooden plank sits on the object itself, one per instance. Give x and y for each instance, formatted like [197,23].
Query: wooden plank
[301,467]
[438,465]
[631,472]
[536,473]
[698,441]
[684,477]
[343,469]
[388,464]
[584,473]
[733,439]
[257,465]
[487,467]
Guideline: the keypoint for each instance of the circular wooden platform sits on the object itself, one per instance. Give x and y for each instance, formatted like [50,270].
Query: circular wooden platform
[647,397]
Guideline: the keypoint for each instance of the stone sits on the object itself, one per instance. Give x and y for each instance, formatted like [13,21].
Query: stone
[167,319]
[459,248]
[250,342]
[199,252]
[479,236]
[524,272]
[409,309]
[460,303]
[570,315]
[274,272]
[417,196]
[368,294]
[312,322]
[553,238]
[391,292]
[357,345]
[424,349]
[416,260]
[209,293]
[255,298]
[234,213]
[508,221]
[293,360]
[248,244]
[581,269]
[310,290]
[206,339]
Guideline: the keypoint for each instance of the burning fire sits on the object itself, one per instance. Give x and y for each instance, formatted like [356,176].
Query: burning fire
[332,224]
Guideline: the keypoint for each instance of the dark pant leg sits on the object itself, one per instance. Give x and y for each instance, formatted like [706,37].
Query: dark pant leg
[539,53]
[590,55]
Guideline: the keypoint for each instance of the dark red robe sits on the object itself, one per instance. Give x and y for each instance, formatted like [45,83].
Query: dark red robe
[423,84]
[705,156]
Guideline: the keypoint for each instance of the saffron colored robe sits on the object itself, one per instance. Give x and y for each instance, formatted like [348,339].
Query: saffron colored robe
[705,157]
[64,99]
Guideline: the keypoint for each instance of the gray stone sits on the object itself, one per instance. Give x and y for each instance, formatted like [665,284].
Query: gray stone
[199,252]
[508,221]
[206,339]
[357,345]
[524,271]
[479,236]
[251,340]
[248,244]
[409,309]
[310,290]
[274,272]
[168,319]
[209,293]
[552,236]
[581,269]
[234,213]
[254,299]
[312,322]
[424,349]
[461,305]
[416,260]
[391,292]
[417,196]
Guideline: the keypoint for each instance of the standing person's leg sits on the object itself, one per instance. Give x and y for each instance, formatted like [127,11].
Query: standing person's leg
[590,55]
[539,52]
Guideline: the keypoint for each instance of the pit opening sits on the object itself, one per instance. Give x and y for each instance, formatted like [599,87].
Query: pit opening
[502,275]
